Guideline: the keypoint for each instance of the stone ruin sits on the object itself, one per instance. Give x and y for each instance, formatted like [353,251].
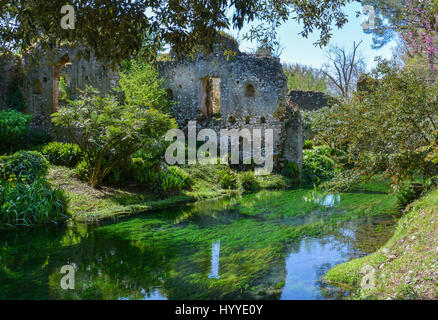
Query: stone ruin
[310,100]
[243,91]
[39,81]
[219,92]
[9,73]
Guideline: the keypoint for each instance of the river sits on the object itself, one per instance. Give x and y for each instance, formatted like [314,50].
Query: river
[269,245]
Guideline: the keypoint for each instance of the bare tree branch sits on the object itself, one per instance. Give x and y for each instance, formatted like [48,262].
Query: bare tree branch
[344,68]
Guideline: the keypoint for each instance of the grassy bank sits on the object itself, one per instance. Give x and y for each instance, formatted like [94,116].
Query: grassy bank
[88,204]
[406,267]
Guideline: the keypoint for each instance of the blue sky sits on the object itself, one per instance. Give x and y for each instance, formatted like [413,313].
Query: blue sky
[301,50]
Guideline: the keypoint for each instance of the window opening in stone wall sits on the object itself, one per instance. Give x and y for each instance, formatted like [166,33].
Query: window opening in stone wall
[57,70]
[37,87]
[211,97]
[249,90]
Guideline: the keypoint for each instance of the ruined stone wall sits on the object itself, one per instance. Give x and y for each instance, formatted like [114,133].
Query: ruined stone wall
[10,71]
[310,100]
[78,72]
[252,91]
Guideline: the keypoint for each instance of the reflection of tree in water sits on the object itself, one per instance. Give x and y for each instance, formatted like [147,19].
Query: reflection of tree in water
[366,234]
[326,291]
[23,262]
[171,251]
[106,267]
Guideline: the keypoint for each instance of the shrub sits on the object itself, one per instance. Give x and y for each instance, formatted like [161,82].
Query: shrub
[249,181]
[166,182]
[291,170]
[30,204]
[387,130]
[301,77]
[36,138]
[109,132]
[308,145]
[82,170]
[28,165]
[408,193]
[62,154]
[431,183]
[142,86]
[182,175]
[228,179]
[317,166]
[13,129]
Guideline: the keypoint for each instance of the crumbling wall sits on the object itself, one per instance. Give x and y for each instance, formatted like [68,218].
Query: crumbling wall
[310,100]
[252,90]
[11,80]
[42,76]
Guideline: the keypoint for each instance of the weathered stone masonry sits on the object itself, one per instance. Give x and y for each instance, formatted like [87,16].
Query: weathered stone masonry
[310,100]
[253,95]
[10,71]
[41,79]
[244,91]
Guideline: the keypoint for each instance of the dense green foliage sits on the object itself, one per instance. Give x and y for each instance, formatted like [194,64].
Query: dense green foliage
[308,145]
[310,124]
[62,154]
[165,182]
[25,196]
[291,170]
[407,194]
[24,165]
[141,27]
[23,204]
[82,171]
[109,132]
[301,77]
[228,179]
[140,83]
[317,165]
[13,130]
[249,181]
[65,92]
[390,129]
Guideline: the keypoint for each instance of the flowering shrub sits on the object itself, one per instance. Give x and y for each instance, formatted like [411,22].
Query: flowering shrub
[27,165]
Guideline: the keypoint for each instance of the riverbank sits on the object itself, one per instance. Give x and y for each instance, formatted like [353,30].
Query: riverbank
[87,204]
[406,267]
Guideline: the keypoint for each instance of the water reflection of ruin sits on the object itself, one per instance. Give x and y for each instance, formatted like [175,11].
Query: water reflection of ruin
[215,252]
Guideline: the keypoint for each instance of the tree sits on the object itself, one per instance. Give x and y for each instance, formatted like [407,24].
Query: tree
[414,20]
[142,87]
[108,132]
[387,20]
[420,33]
[119,30]
[300,77]
[343,69]
[390,129]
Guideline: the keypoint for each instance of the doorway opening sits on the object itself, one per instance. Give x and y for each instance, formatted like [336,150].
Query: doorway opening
[211,97]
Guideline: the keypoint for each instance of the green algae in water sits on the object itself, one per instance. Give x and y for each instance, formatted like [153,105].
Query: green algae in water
[273,245]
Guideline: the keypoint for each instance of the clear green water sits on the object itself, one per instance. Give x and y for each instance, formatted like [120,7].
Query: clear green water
[270,245]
